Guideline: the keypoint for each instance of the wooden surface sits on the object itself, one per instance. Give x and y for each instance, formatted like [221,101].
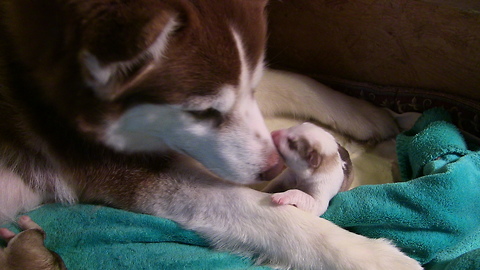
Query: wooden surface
[431,45]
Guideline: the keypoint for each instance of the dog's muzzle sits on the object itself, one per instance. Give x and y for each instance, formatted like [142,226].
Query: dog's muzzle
[274,168]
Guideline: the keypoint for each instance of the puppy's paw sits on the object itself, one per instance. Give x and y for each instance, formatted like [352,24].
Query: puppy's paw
[296,198]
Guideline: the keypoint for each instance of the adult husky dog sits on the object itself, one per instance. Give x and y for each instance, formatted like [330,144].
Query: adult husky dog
[149,105]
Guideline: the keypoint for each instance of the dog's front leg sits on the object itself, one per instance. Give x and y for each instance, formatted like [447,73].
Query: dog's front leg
[282,93]
[244,221]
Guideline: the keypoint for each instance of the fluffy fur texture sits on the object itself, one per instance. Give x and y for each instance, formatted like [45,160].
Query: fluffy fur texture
[150,106]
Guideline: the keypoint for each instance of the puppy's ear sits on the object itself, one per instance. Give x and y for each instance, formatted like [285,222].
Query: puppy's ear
[122,46]
[314,159]
[345,157]
[347,168]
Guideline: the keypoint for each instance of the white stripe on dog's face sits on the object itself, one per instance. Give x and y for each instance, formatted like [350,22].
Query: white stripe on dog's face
[225,132]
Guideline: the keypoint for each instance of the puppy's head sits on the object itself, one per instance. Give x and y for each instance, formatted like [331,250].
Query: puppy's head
[308,149]
[147,75]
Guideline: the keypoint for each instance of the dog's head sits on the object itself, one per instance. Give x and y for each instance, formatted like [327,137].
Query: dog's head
[152,75]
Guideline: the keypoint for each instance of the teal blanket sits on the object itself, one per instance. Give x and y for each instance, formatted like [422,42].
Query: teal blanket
[434,215]
[90,237]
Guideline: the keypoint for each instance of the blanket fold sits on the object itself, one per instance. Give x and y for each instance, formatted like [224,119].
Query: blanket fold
[434,216]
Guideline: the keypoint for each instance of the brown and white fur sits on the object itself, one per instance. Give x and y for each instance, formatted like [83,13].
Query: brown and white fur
[318,168]
[150,106]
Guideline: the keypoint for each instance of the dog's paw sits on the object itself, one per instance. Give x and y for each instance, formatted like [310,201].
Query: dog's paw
[359,252]
[26,249]
[388,257]
[326,246]
[370,124]
[362,121]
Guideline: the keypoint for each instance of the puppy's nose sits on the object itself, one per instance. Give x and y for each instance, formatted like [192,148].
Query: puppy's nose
[274,168]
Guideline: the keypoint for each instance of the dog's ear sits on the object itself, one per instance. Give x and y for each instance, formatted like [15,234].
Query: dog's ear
[314,159]
[119,47]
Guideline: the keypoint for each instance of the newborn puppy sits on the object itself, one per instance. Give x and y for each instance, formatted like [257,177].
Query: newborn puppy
[26,250]
[318,168]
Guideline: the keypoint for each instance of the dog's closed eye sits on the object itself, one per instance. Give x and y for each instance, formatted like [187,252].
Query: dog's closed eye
[208,114]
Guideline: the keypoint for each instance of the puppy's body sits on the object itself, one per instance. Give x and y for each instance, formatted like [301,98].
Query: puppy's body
[148,106]
[318,168]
